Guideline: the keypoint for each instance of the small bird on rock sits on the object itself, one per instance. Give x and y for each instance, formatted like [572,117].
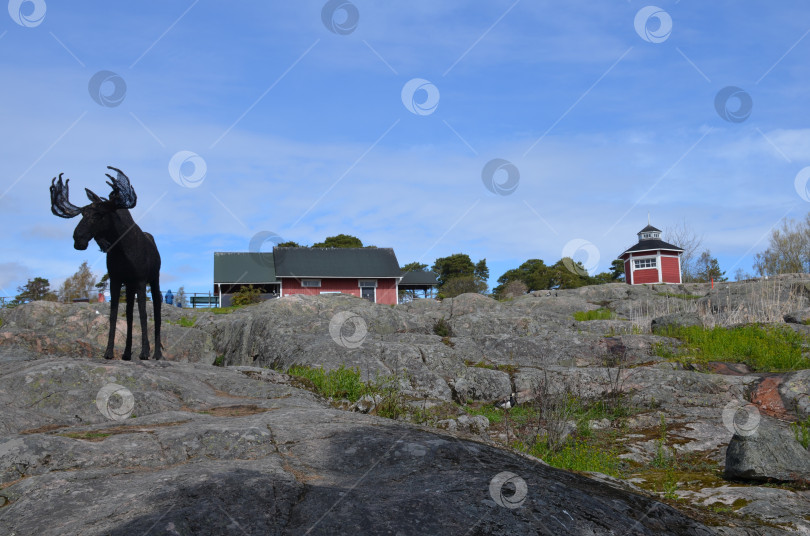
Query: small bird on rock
[508,403]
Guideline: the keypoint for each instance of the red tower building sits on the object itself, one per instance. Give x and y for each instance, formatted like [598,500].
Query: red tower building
[652,260]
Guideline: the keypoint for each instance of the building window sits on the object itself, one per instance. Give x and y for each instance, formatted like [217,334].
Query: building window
[645,263]
[310,282]
[367,283]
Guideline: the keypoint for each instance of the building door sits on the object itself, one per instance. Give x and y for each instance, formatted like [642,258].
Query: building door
[367,293]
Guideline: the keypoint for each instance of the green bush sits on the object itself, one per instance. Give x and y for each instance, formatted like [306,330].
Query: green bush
[597,314]
[247,295]
[762,348]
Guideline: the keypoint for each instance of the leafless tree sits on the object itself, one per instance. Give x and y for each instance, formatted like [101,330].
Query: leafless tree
[685,237]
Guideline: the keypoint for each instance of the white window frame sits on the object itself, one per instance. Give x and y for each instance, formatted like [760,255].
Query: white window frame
[646,263]
[310,283]
[367,283]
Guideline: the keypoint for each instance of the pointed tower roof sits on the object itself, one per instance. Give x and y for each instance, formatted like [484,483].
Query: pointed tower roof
[649,239]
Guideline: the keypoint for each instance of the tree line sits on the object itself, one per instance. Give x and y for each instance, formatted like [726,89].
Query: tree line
[788,251]
[79,286]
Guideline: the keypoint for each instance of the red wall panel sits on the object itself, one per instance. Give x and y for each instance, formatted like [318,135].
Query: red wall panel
[386,288]
[648,275]
[671,269]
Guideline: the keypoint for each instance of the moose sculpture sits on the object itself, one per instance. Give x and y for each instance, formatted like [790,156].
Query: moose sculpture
[132,256]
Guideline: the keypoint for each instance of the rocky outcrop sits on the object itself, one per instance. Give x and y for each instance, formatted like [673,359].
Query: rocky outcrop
[768,453]
[51,328]
[204,429]
[217,451]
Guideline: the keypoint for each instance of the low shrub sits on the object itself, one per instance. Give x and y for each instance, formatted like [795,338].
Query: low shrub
[442,328]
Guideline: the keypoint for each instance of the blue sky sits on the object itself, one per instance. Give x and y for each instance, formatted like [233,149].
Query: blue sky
[289,118]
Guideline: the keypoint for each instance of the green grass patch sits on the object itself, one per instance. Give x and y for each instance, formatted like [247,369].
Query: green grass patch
[595,314]
[346,383]
[492,413]
[580,455]
[87,436]
[801,430]
[339,383]
[219,361]
[509,369]
[184,322]
[225,310]
[762,348]
[579,411]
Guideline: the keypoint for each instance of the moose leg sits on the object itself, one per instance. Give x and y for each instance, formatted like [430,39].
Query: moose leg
[142,315]
[157,299]
[115,295]
[130,305]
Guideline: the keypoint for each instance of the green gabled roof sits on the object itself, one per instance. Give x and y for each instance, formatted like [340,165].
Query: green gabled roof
[246,268]
[336,262]
[418,278]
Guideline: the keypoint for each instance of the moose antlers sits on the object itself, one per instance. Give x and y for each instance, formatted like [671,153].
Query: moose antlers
[122,196]
[60,204]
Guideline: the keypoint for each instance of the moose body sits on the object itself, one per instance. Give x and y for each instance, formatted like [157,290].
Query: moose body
[132,256]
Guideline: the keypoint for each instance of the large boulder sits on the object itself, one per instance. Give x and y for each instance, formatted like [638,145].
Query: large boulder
[770,453]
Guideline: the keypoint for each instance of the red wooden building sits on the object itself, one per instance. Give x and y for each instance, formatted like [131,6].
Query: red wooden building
[652,260]
[370,273]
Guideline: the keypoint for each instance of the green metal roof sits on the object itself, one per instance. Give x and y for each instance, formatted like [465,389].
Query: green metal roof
[418,278]
[336,262]
[247,268]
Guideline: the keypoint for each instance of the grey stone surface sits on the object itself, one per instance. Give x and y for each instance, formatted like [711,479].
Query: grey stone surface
[238,450]
[795,392]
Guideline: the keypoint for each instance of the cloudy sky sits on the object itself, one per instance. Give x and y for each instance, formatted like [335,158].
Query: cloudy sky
[504,129]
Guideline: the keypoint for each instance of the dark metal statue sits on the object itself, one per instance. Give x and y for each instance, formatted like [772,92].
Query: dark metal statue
[132,256]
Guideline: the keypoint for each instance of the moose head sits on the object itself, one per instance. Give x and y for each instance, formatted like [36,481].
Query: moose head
[133,259]
[99,217]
